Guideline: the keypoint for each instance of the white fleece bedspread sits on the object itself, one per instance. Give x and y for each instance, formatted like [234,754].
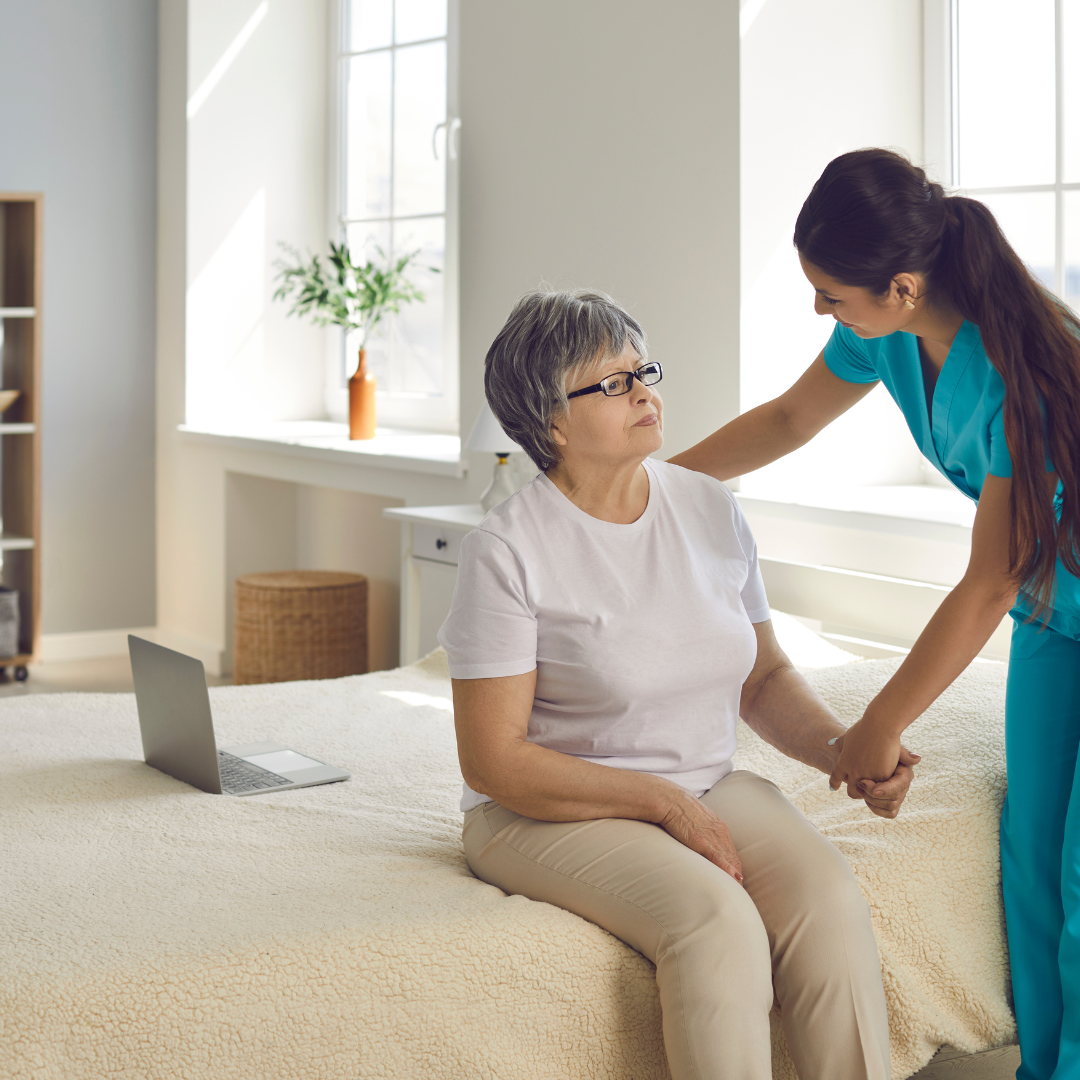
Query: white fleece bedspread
[150,931]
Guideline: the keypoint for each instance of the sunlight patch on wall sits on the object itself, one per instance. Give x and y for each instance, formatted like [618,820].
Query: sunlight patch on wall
[217,72]
[225,340]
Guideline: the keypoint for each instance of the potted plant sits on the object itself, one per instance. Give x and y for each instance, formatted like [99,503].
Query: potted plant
[356,297]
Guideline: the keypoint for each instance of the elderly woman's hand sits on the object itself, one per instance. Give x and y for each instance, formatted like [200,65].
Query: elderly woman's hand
[885,797]
[692,823]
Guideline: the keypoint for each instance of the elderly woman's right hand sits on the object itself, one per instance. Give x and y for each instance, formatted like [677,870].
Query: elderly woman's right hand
[692,823]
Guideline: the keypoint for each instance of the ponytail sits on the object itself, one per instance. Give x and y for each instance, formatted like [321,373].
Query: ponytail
[1034,343]
[873,215]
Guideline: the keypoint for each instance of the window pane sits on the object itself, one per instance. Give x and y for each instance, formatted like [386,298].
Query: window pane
[419,20]
[1070,10]
[406,352]
[1006,92]
[418,330]
[420,105]
[1072,250]
[365,241]
[1028,223]
[368,136]
[371,24]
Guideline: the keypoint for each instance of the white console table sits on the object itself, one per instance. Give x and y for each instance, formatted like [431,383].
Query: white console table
[429,534]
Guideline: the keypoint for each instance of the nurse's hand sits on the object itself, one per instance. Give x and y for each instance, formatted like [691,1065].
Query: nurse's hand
[886,798]
[867,754]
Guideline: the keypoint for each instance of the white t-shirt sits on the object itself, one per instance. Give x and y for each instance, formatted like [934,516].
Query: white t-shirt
[641,635]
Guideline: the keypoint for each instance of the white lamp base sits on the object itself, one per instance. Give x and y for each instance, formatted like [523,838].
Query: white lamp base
[502,484]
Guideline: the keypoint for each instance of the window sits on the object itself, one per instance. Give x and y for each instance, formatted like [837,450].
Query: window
[396,191]
[1006,101]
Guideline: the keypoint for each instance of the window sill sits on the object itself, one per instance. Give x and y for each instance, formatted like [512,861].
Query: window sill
[323,440]
[922,510]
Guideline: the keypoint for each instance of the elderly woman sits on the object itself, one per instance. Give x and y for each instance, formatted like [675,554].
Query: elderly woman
[608,628]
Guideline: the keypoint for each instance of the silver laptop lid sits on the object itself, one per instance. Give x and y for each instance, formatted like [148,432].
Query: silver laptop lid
[174,714]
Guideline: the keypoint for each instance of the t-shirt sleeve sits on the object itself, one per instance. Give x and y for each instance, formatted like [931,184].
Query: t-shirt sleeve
[847,357]
[754,599]
[490,632]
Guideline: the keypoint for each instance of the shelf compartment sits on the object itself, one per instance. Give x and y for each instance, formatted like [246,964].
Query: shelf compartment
[14,542]
[20,425]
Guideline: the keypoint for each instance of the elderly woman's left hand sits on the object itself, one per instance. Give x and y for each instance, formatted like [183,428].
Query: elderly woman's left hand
[860,749]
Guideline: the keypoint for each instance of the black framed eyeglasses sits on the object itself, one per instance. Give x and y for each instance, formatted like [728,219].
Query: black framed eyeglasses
[620,383]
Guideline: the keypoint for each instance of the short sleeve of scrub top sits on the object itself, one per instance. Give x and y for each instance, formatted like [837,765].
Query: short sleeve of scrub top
[847,358]
[1000,459]
[964,434]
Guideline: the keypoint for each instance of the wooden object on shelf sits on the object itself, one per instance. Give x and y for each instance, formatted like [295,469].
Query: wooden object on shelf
[20,429]
[362,401]
[300,624]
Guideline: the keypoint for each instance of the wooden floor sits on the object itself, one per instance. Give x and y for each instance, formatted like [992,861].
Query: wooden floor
[950,1064]
[106,675]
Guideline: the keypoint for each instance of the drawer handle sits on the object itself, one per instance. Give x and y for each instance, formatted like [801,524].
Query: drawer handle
[440,544]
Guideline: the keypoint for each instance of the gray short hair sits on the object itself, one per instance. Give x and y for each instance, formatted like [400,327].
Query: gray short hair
[547,336]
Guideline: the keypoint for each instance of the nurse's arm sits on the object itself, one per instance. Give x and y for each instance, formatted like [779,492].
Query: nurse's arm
[776,428]
[788,713]
[955,635]
[491,717]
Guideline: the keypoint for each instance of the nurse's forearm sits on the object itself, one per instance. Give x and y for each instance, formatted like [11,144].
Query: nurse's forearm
[960,628]
[749,442]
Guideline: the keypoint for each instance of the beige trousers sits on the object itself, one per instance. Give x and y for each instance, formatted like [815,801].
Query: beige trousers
[799,928]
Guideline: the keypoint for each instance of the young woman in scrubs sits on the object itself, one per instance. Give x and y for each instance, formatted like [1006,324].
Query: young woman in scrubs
[930,299]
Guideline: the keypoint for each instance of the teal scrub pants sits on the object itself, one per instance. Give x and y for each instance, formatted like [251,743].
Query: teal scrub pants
[1040,849]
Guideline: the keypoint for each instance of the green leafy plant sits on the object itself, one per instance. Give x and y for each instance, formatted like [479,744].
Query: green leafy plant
[341,292]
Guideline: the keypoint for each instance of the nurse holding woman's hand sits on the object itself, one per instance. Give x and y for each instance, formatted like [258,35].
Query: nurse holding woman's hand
[930,299]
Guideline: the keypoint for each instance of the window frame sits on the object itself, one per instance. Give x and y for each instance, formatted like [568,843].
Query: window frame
[399,410]
[941,125]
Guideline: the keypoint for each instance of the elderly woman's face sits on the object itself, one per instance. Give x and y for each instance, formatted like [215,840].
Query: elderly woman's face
[627,426]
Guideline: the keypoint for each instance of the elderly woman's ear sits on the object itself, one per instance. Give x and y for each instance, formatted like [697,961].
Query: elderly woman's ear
[556,433]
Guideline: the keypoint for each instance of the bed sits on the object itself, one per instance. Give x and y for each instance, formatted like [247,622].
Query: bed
[151,931]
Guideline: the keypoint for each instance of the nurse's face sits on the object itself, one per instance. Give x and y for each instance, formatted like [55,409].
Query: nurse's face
[867,315]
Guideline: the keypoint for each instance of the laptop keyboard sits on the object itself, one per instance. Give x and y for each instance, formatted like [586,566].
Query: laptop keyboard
[240,775]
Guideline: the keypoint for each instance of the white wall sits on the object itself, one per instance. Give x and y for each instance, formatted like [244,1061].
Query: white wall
[599,146]
[818,80]
[78,85]
[256,175]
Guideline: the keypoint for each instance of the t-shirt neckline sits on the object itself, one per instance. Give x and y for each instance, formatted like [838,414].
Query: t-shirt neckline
[568,508]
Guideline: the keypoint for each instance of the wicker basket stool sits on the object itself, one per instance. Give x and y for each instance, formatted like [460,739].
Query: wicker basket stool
[300,624]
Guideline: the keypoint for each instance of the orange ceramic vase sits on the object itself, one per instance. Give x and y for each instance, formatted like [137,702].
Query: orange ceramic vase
[362,402]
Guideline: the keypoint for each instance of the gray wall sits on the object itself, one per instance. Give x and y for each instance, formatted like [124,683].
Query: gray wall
[78,114]
[600,148]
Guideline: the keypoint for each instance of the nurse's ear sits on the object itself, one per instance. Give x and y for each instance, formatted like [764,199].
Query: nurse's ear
[905,289]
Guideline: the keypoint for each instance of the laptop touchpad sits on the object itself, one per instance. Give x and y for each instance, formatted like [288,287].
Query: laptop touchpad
[282,761]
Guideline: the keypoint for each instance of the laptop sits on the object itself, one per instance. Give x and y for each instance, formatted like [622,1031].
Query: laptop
[178,732]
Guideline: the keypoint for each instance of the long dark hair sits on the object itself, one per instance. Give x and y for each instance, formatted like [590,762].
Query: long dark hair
[873,215]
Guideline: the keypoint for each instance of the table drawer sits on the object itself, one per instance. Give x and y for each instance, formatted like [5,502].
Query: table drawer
[435,543]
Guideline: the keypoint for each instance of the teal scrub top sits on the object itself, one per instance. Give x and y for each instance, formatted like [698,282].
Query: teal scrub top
[965,436]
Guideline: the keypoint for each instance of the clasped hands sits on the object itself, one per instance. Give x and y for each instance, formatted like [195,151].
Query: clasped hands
[874,766]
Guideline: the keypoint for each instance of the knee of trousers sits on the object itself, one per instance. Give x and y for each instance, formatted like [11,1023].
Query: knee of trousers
[717,936]
[823,904]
